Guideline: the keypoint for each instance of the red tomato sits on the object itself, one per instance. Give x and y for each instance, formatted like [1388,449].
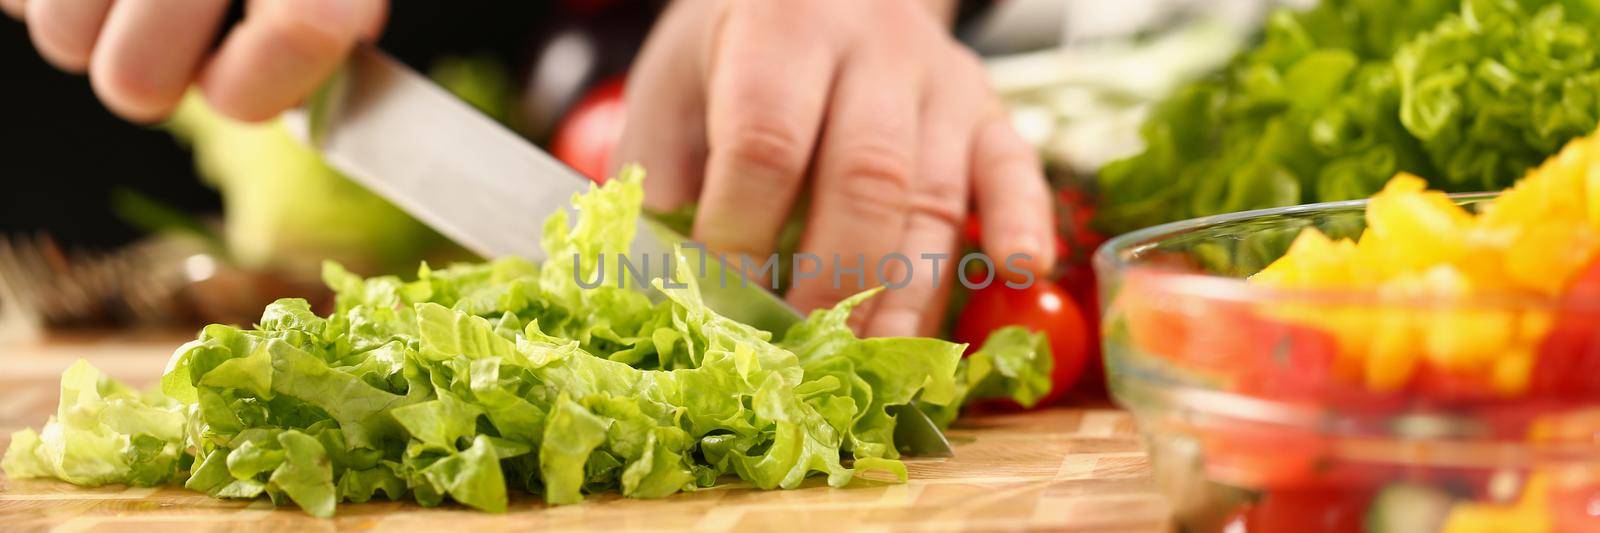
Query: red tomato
[1569,358]
[1044,307]
[1262,357]
[589,133]
[1262,456]
[1081,282]
[1076,219]
[1288,361]
[1308,511]
[1451,386]
[1272,457]
[1576,508]
[1075,243]
[972,231]
[1197,333]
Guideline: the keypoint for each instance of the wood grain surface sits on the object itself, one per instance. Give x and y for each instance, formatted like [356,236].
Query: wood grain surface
[1065,469]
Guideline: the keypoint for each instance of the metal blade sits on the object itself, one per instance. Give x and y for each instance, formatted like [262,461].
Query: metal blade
[916,434]
[413,143]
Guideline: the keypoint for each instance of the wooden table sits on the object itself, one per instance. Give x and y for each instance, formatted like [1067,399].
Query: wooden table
[1060,469]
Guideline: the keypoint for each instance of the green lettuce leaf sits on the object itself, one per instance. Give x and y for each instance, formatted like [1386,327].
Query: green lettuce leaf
[475,379]
[1013,364]
[1336,99]
[102,433]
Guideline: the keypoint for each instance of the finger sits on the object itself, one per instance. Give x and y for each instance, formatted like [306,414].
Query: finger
[372,16]
[282,51]
[938,205]
[64,31]
[864,176]
[148,51]
[664,126]
[763,121]
[1013,199]
[15,8]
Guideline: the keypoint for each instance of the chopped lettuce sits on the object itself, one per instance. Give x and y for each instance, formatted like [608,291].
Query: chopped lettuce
[477,379]
[1013,363]
[102,433]
[1337,99]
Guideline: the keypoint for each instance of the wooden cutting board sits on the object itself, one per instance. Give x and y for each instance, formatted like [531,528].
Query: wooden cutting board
[1076,469]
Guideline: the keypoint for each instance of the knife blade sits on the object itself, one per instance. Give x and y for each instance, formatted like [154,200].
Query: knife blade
[410,141]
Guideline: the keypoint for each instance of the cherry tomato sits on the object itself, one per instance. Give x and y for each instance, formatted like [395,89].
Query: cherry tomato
[1305,511]
[972,231]
[1075,216]
[589,133]
[1569,357]
[1081,282]
[1044,307]
[1075,243]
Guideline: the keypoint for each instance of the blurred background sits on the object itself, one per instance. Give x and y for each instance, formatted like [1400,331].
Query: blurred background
[1143,112]
[112,223]
[200,219]
[64,144]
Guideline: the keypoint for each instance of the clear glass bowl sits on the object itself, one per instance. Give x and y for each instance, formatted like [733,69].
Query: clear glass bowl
[1411,413]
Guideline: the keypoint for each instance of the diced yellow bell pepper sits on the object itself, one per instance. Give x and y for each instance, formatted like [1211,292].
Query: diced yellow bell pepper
[1529,514]
[1476,518]
[1513,371]
[1545,251]
[1393,358]
[1419,246]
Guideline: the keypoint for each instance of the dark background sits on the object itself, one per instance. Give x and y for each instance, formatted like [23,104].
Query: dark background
[64,153]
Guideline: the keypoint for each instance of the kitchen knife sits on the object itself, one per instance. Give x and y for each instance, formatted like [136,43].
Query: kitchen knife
[478,183]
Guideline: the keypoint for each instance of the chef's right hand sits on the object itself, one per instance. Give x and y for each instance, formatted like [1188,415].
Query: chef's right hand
[142,55]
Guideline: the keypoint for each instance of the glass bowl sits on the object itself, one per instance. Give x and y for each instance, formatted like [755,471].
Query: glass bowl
[1276,410]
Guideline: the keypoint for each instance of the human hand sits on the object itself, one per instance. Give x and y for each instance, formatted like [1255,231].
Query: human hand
[142,55]
[740,103]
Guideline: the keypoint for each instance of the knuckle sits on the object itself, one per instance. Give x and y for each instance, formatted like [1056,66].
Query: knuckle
[774,150]
[1003,150]
[965,59]
[307,36]
[876,178]
[941,199]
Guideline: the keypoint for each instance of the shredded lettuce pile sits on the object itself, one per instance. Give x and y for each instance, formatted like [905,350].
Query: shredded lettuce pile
[477,379]
[1337,99]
